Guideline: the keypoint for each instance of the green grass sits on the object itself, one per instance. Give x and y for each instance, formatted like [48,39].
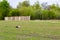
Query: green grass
[30,30]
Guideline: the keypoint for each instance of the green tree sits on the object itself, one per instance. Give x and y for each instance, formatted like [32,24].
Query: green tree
[51,15]
[4,8]
[56,10]
[36,11]
[37,5]
[14,12]
[23,4]
[44,14]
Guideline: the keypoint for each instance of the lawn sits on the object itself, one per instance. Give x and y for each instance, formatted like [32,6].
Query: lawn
[30,30]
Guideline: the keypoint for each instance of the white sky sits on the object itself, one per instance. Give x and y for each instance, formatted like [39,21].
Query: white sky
[14,3]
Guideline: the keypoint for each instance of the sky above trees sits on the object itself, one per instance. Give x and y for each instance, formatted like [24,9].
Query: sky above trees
[14,3]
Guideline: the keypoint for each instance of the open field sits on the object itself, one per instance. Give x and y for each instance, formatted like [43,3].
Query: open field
[30,30]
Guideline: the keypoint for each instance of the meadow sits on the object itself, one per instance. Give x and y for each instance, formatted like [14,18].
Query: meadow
[30,30]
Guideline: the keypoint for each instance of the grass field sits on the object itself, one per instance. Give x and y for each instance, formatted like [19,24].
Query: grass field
[30,30]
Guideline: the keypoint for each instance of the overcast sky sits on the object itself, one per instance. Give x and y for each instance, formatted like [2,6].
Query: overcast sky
[14,3]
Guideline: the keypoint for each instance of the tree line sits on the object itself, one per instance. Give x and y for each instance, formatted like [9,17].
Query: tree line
[35,11]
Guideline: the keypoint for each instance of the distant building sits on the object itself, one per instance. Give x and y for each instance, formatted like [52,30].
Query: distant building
[17,18]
